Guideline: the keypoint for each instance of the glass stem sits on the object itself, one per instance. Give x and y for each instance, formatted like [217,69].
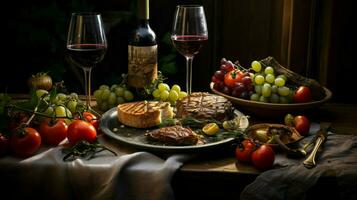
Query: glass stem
[189,74]
[87,76]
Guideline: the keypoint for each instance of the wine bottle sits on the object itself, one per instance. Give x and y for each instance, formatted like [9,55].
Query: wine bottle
[142,50]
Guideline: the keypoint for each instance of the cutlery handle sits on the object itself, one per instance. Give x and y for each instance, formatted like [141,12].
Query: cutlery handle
[310,161]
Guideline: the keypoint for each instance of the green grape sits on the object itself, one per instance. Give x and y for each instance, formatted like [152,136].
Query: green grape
[62,111]
[274,89]
[269,70]
[120,100]
[119,91]
[163,87]
[128,96]
[156,94]
[71,105]
[270,78]
[61,96]
[255,97]
[182,95]
[49,111]
[274,98]
[112,88]
[259,79]
[283,77]
[283,91]
[173,96]
[258,89]
[177,88]
[105,94]
[2,96]
[264,99]
[164,95]
[41,93]
[104,87]
[112,99]
[98,94]
[266,90]
[279,82]
[283,99]
[74,95]
[256,66]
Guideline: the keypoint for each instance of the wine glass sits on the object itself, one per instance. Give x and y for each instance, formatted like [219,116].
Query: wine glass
[189,32]
[86,45]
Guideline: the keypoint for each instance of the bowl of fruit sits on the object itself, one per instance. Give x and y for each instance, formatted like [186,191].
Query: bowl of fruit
[268,89]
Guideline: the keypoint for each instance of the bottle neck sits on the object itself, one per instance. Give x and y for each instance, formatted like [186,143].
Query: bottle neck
[143,9]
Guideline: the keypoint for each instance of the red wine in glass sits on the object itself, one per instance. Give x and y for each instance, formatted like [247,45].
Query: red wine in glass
[86,46]
[189,33]
[86,55]
[189,45]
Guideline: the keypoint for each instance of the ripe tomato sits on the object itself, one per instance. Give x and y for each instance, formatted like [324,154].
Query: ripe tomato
[302,95]
[232,77]
[302,124]
[263,158]
[53,133]
[4,145]
[91,118]
[245,150]
[81,130]
[27,144]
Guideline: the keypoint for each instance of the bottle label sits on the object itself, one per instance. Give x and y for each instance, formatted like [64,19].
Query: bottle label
[142,65]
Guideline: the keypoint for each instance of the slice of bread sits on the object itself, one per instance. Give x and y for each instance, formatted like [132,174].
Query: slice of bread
[144,114]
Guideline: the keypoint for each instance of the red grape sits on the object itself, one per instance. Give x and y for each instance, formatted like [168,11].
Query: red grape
[219,74]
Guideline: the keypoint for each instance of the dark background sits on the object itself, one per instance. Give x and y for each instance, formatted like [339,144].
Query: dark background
[312,37]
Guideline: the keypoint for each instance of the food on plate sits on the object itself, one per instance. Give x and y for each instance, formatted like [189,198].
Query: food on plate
[270,133]
[203,105]
[144,114]
[174,135]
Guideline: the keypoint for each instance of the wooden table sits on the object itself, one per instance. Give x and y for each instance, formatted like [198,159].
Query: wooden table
[220,175]
[216,175]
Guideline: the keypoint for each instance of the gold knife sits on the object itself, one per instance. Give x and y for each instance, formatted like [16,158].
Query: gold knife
[321,137]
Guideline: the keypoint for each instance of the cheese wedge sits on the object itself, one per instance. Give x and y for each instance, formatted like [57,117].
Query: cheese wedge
[144,114]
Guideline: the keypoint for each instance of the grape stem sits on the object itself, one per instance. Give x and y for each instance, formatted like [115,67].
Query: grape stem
[240,66]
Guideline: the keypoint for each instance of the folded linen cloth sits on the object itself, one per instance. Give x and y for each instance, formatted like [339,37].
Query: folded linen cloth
[138,175]
[291,180]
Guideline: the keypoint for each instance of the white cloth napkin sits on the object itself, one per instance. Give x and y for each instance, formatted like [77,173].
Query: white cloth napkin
[139,175]
[291,180]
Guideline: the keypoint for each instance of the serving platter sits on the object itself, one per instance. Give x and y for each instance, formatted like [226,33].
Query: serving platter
[134,137]
[262,109]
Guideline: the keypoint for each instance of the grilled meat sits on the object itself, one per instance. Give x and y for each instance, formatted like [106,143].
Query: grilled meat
[173,135]
[203,105]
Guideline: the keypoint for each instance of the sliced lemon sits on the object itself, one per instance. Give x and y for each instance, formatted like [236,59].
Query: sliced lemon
[210,129]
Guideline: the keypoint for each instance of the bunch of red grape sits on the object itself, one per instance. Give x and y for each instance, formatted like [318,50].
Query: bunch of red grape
[232,79]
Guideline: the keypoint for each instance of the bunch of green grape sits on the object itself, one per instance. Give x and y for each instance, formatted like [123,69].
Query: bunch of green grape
[60,105]
[268,86]
[164,93]
[108,97]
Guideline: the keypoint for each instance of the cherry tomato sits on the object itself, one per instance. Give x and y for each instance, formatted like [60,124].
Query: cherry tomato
[244,151]
[302,95]
[232,77]
[302,124]
[4,145]
[27,144]
[263,158]
[53,133]
[81,130]
[91,118]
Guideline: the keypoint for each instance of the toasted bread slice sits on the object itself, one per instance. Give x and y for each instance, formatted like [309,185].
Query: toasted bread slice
[144,114]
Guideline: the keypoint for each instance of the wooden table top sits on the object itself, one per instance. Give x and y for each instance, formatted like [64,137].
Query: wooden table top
[342,116]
